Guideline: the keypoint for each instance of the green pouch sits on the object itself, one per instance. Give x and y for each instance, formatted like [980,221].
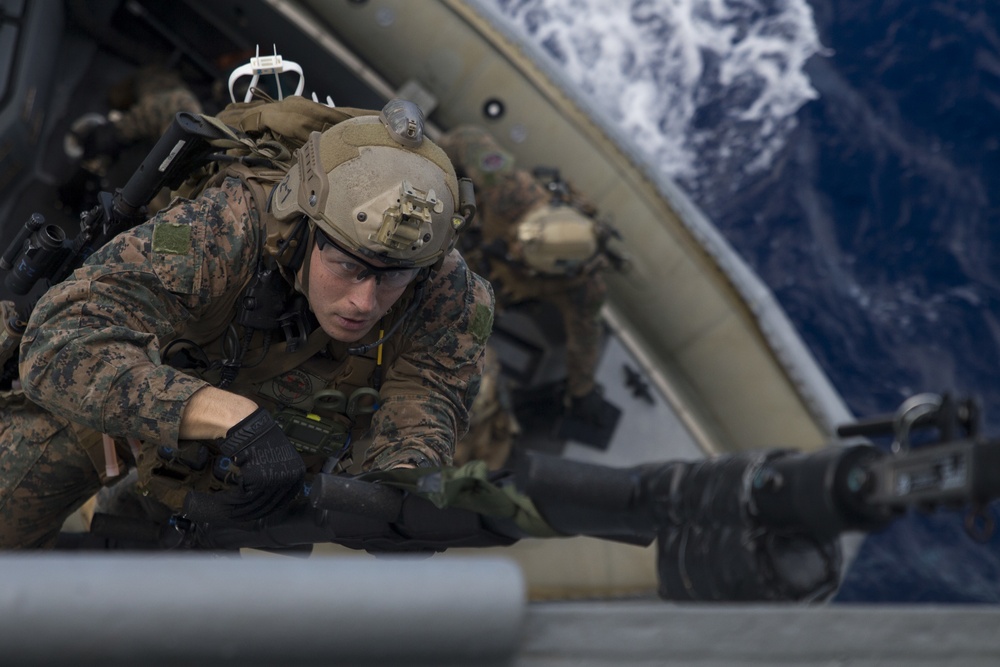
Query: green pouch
[469,488]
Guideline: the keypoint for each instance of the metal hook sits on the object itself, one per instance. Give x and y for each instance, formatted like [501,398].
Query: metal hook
[909,412]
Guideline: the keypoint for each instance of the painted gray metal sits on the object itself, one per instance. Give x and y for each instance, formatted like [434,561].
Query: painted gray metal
[594,634]
[359,610]
[203,610]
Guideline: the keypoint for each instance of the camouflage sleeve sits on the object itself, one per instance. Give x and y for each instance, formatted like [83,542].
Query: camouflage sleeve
[430,387]
[91,352]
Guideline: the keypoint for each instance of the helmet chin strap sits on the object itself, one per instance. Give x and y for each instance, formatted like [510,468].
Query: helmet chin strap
[300,264]
[302,259]
[418,292]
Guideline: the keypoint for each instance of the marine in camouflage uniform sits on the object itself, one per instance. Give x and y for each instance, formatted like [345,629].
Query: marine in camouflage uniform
[116,358]
[506,195]
[143,106]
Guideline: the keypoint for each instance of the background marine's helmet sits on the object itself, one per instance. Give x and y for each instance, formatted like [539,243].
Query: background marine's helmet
[556,240]
[377,188]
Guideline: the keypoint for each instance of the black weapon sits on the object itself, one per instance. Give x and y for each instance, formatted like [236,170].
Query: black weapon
[861,487]
[42,251]
[856,487]
[789,506]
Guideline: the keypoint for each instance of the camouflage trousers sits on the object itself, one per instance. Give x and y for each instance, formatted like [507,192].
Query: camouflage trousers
[578,300]
[580,308]
[45,474]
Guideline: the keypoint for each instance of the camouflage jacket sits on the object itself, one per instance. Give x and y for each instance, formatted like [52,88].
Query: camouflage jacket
[93,350]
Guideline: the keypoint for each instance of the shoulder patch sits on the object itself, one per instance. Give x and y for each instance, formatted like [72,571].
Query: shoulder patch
[481,324]
[494,161]
[171,238]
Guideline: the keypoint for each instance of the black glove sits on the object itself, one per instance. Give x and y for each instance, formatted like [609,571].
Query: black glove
[268,473]
[97,139]
[711,547]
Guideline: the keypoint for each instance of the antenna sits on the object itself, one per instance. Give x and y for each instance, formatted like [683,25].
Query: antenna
[263,65]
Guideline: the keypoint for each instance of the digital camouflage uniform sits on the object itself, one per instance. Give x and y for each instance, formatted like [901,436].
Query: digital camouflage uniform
[92,362]
[504,195]
[493,426]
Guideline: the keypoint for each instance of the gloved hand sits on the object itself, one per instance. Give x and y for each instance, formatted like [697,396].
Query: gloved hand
[100,140]
[268,473]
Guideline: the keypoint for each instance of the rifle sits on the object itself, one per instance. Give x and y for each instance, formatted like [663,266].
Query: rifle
[861,487]
[754,526]
[41,251]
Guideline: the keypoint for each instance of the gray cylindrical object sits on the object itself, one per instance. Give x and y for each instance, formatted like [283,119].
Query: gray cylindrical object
[193,609]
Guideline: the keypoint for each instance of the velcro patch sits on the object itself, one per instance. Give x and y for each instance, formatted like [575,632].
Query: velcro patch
[494,161]
[171,238]
[481,324]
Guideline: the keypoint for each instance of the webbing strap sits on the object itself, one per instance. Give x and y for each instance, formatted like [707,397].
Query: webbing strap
[230,139]
[469,488]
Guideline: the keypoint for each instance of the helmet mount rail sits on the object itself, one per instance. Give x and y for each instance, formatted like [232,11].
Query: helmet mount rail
[408,224]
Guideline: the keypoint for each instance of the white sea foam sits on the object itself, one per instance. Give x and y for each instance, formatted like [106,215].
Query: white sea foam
[703,87]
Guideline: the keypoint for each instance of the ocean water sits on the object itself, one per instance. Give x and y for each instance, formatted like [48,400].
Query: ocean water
[863,138]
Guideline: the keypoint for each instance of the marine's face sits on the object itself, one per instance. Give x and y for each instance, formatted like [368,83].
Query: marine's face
[347,299]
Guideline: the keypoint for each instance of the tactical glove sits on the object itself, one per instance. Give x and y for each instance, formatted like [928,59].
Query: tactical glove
[267,473]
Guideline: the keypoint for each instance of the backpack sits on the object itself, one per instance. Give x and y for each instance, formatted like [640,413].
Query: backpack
[261,137]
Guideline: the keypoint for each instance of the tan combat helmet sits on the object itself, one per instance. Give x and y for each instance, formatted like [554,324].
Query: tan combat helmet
[556,240]
[378,189]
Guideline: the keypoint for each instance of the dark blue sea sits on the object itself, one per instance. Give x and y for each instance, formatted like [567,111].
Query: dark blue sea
[906,134]
[850,152]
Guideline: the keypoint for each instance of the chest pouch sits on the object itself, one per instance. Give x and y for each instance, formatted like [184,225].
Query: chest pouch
[168,473]
[318,426]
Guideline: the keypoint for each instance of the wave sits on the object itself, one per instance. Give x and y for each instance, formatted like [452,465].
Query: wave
[703,88]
